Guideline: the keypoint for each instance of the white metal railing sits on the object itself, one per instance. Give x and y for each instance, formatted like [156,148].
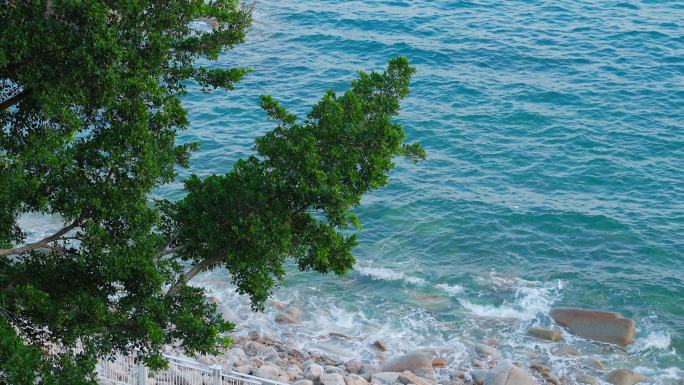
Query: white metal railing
[120,369]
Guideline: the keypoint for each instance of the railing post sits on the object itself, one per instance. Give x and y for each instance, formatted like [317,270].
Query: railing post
[216,374]
[142,373]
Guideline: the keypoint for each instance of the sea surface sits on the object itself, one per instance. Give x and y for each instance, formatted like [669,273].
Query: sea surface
[555,172]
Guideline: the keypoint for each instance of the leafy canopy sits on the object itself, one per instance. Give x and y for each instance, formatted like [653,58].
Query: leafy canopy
[90,106]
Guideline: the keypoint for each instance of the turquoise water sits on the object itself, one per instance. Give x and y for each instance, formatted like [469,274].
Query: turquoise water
[555,170]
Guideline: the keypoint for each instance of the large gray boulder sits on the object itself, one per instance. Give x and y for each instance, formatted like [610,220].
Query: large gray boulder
[228,314]
[313,372]
[331,379]
[506,373]
[596,325]
[413,362]
[623,377]
[268,372]
[479,375]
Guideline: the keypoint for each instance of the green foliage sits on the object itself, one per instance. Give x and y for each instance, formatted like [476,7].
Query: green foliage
[89,112]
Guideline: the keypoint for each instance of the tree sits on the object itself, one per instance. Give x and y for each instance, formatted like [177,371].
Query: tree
[90,105]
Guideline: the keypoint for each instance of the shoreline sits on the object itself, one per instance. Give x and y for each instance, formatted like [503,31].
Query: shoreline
[326,363]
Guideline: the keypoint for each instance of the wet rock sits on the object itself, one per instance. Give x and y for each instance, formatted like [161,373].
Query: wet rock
[550,378]
[567,350]
[438,362]
[306,364]
[596,325]
[385,378]
[486,350]
[478,364]
[279,305]
[294,311]
[238,352]
[540,368]
[479,376]
[212,299]
[457,376]
[544,334]
[353,379]
[271,339]
[381,345]
[506,373]
[331,379]
[586,379]
[286,318]
[492,342]
[407,377]
[338,335]
[268,372]
[413,362]
[594,364]
[370,329]
[353,366]
[623,377]
[292,345]
[313,372]
[228,314]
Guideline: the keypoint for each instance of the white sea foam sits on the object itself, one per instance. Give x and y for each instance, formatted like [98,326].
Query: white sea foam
[452,290]
[656,339]
[529,299]
[385,274]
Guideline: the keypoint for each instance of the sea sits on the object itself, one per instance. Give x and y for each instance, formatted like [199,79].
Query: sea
[554,176]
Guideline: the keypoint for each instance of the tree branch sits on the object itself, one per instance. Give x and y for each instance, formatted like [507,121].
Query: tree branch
[210,261]
[45,241]
[170,251]
[16,99]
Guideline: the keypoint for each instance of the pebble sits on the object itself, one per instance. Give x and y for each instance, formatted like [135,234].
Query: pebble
[381,345]
[438,362]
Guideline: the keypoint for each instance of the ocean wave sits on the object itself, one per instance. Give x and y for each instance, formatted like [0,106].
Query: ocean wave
[385,274]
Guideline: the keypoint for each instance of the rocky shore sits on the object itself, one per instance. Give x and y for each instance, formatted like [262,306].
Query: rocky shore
[284,361]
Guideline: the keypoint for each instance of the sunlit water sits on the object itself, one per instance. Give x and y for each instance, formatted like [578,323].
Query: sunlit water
[555,171]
